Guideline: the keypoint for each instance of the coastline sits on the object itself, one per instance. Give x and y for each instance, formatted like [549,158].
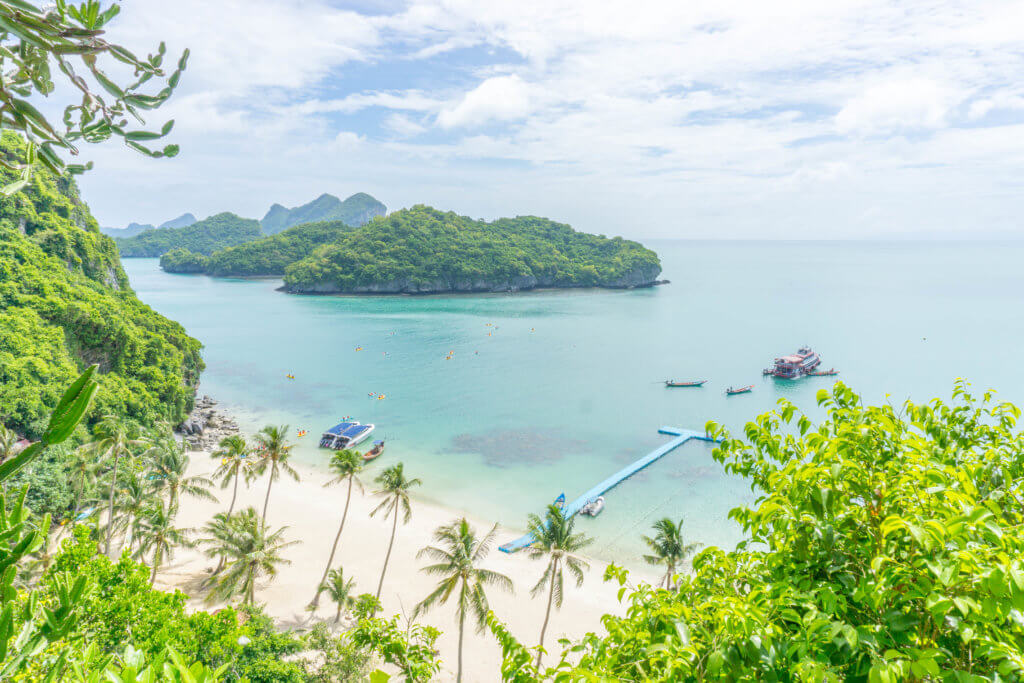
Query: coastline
[312,512]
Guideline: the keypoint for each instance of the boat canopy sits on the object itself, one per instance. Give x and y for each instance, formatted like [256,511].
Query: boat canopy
[337,429]
[355,430]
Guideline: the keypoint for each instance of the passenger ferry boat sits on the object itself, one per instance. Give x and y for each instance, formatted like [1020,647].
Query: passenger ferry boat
[801,363]
[345,435]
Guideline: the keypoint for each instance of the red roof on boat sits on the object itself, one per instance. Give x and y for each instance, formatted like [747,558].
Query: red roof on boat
[792,359]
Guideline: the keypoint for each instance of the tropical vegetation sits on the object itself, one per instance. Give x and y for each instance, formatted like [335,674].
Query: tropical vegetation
[179,260]
[267,256]
[65,303]
[202,237]
[394,492]
[668,549]
[425,250]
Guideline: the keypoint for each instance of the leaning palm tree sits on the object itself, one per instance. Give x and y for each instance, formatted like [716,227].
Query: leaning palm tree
[159,536]
[345,465]
[668,548]
[235,463]
[340,590]
[83,470]
[253,552]
[274,451]
[115,439]
[457,558]
[134,499]
[169,473]
[555,540]
[394,489]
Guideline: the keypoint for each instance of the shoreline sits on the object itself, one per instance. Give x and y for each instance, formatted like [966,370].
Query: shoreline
[312,512]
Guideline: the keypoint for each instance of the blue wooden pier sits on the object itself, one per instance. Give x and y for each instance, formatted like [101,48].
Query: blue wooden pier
[573,508]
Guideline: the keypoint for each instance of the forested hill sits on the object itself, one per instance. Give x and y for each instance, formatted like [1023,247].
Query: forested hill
[356,210]
[423,250]
[267,256]
[204,237]
[65,303]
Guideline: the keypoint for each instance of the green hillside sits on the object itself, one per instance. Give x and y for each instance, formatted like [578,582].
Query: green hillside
[65,303]
[357,210]
[204,237]
[422,250]
[267,256]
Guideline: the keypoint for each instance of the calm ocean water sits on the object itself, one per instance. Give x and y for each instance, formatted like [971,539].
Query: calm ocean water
[548,392]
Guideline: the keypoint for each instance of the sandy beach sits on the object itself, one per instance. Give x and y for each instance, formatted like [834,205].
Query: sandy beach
[312,513]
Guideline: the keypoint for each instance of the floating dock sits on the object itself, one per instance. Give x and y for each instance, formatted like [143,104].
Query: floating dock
[682,436]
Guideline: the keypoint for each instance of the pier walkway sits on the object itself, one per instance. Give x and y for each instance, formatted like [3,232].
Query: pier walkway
[573,508]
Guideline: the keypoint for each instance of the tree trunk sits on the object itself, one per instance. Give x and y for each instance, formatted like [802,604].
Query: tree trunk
[221,561]
[394,528]
[337,615]
[110,505]
[156,564]
[320,586]
[266,500]
[547,614]
[462,628]
[250,592]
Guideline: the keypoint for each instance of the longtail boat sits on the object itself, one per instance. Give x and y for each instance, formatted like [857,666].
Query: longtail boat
[374,453]
[694,383]
[824,373]
[742,390]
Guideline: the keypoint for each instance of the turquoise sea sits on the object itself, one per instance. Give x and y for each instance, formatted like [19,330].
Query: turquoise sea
[546,392]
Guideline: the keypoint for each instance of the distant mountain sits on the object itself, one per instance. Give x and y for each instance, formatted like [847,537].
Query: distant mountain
[357,210]
[203,237]
[132,230]
[182,221]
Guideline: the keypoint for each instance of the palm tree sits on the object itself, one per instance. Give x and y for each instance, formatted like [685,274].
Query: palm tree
[555,541]
[341,591]
[159,535]
[253,551]
[83,470]
[135,499]
[114,440]
[234,463]
[274,452]
[345,465]
[668,547]
[394,489]
[217,533]
[169,472]
[457,561]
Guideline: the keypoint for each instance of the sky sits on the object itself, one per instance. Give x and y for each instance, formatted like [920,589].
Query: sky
[735,119]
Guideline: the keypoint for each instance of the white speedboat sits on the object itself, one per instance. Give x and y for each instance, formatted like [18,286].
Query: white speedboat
[593,507]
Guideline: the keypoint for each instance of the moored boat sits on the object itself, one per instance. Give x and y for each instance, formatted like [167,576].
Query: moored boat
[742,390]
[345,435]
[692,383]
[593,507]
[796,365]
[374,453]
[824,373]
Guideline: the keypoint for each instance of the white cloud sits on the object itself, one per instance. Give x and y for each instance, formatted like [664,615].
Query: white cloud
[747,118]
[898,105]
[501,98]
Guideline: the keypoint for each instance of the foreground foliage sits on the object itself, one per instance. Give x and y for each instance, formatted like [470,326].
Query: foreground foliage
[425,250]
[885,545]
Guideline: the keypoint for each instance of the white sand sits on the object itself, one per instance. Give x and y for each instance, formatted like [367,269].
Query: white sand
[312,513]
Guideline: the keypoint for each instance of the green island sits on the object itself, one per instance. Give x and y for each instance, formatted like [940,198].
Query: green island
[203,237]
[267,256]
[422,250]
[357,210]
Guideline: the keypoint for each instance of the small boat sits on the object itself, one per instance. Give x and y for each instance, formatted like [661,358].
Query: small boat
[742,390]
[345,435]
[692,383]
[560,501]
[824,373]
[374,453]
[593,507]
